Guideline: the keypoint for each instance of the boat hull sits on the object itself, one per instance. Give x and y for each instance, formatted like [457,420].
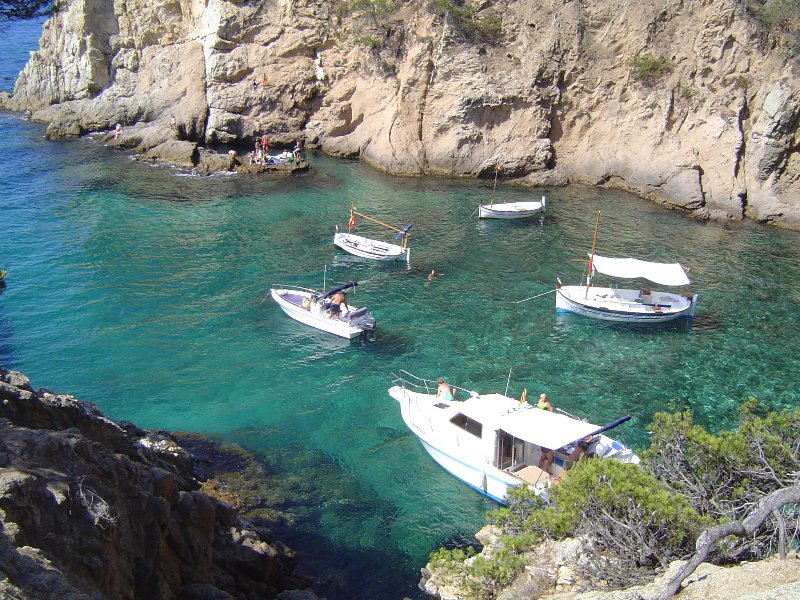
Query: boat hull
[624,305]
[369,248]
[291,302]
[510,210]
[486,479]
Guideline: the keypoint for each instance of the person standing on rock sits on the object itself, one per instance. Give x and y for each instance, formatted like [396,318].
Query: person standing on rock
[265,143]
[117,131]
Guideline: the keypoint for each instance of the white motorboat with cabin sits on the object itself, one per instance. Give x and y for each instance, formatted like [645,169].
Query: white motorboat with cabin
[510,210]
[315,308]
[640,305]
[369,248]
[492,442]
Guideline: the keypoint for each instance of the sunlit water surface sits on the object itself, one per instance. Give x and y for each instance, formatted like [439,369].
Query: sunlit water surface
[143,290]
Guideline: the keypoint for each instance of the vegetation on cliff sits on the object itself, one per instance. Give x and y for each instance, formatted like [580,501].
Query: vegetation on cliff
[633,521]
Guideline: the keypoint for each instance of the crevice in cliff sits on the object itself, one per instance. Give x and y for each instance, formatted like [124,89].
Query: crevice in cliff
[739,175]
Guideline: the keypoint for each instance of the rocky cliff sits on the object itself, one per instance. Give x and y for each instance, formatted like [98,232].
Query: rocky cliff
[91,509]
[694,104]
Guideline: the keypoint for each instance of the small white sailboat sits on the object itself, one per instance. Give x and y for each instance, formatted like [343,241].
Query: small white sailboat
[627,305]
[510,210]
[369,248]
[322,310]
[492,442]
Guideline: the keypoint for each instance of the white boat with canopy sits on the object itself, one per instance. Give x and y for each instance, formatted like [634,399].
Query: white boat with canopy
[640,305]
[510,210]
[320,309]
[369,248]
[493,442]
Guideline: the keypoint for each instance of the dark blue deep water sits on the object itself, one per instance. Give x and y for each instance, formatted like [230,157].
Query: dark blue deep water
[142,290]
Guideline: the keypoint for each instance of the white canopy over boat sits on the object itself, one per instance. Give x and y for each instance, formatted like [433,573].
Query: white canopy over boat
[545,428]
[633,268]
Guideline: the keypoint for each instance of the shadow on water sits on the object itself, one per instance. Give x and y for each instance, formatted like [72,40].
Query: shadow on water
[310,502]
[566,323]
[6,346]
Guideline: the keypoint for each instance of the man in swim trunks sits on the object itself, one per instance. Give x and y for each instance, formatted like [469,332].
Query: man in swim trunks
[335,309]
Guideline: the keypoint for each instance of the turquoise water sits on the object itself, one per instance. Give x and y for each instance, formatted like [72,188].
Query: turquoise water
[142,290]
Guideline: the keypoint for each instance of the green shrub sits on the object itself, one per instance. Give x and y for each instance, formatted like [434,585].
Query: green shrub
[637,519]
[648,68]
[486,28]
[368,40]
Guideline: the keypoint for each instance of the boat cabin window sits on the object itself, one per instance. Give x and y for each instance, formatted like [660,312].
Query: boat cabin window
[467,424]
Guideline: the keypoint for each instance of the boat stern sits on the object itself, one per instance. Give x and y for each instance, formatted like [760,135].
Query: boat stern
[692,306]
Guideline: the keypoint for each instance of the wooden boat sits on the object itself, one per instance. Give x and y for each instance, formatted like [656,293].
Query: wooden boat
[492,442]
[510,210]
[639,305]
[369,248]
[313,308]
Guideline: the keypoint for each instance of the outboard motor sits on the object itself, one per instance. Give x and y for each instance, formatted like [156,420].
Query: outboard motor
[365,321]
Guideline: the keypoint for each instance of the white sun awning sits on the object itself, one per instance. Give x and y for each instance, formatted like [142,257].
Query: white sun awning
[633,268]
[544,428]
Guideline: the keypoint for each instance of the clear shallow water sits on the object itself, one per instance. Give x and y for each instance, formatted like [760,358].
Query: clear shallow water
[143,291]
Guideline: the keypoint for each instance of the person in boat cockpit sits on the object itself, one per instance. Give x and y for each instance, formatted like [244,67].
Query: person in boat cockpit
[335,309]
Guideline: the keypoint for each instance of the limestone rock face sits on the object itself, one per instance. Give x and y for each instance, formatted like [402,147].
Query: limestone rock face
[93,509]
[554,97]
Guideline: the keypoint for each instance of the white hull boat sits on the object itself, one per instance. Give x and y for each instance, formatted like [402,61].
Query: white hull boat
[511,210]
[369,248]
[627,305]
[492,442]
[624,305]
[313,308]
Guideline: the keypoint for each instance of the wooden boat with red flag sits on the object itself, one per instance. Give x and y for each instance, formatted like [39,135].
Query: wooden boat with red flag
[369,248]
[637,305]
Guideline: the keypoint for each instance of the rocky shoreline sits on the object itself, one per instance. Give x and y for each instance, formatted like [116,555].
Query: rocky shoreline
[95,509]
[607,93]
[153,144]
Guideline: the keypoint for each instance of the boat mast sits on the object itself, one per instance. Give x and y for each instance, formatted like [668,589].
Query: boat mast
[591,260]
[353,211]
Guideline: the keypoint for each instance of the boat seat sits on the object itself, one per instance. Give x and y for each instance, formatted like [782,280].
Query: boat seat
[532,474]
[355,314]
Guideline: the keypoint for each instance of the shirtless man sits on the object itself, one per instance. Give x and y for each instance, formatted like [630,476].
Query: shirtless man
[339,299]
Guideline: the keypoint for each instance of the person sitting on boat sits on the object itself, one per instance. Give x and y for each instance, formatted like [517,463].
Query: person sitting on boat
[582,448]
[335,309]
[543,404]
[443,391]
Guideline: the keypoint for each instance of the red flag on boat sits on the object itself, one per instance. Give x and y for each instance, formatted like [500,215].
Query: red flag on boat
[352,222]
